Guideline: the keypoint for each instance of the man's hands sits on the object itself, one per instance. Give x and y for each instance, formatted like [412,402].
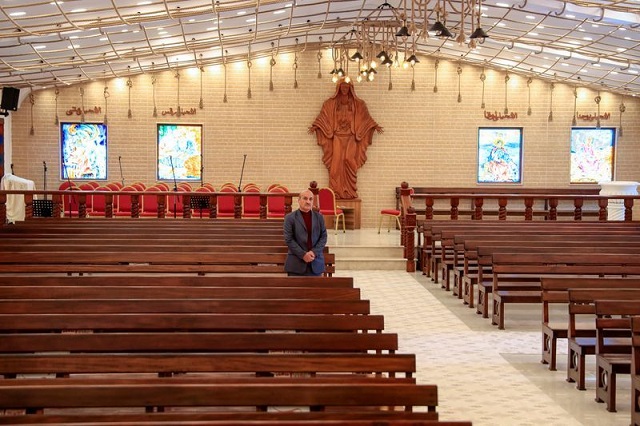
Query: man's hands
[309,256]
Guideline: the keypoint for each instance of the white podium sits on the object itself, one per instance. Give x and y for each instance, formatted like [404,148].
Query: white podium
[15,202]
[615,208]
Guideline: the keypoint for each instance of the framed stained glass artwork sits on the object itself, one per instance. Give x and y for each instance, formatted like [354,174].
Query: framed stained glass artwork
[592,154]
[83,149]
[499,155]
[179,152]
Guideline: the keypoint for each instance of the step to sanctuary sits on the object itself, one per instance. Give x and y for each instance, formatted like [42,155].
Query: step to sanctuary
[349,257]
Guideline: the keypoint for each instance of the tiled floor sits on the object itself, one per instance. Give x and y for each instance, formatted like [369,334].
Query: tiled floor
[485,375]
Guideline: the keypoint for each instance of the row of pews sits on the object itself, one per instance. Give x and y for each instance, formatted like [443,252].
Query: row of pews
[589,273]
[96,345]
[150,246]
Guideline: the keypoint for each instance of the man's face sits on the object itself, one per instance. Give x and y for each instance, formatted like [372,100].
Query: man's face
[344,88]
[305,201]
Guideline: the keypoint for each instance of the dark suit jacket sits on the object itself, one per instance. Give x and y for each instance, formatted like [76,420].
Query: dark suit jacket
[295,236]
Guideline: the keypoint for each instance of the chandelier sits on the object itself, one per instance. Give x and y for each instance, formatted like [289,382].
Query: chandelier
[389,35]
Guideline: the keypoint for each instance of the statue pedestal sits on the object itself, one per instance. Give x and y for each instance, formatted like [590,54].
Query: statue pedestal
[352,213]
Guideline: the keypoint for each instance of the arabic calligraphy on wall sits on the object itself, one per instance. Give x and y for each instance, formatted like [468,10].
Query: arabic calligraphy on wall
[97,110]
[78,110]
[593,117]
[495,116]
[180,111]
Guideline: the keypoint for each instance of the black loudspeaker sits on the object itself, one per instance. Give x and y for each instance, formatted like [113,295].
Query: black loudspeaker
[10,97]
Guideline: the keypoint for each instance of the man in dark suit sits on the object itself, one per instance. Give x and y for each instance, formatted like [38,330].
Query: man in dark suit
[306,235]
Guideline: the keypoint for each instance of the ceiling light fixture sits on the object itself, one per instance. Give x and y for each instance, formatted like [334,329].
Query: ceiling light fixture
[373,39]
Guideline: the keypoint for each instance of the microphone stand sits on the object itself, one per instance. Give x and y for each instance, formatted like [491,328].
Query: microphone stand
[121,175]
[200,202]
[66,172]
[175,186]
[45,207]
[242,172]
[44,173]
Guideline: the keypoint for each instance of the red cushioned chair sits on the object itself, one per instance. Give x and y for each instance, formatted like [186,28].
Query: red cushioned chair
[226,203]
[327,206]
[99,203]
[124,202]
[391,214]
[251,203]
[275,205]
[149,201]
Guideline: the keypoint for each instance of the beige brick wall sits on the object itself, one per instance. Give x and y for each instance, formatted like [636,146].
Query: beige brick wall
[429,139]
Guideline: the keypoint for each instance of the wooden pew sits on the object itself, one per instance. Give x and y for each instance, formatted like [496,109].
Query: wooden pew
[182,293]
[521,286]
[117,231]
[199,342]
[635,371]
[122,333]
[36,395]
[220,306]
[552,264]
[462,257]
[226,366]
[72,245]
[428,230]
[556,291]
[432,230]
[147,262]
[582,304]
[189,308]
[153,238]
[82,247]
[612,317]
[482,255]
[62,223]
[178,281]
[22,346]
[439,232]
[171,322]
[243,418]
[173,309]
[154,303]
[111,230]
[331,365]
[466,272]
[147,224]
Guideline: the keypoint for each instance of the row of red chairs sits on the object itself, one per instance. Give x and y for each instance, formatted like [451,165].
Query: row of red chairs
[149,207]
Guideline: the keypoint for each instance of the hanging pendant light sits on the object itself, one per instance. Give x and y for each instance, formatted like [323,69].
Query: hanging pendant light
[440,30]
[479,32]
